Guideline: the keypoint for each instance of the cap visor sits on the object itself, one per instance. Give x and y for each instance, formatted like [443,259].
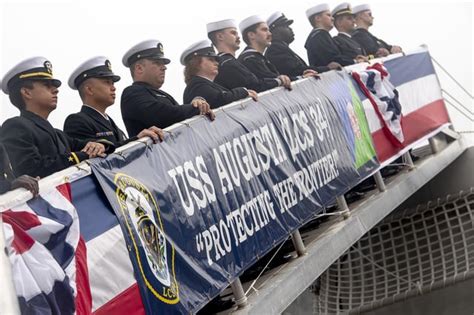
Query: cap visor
[55,82]
[212,55]
[165,60]
[114,77]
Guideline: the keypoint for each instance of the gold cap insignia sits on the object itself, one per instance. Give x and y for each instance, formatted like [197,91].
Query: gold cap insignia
[48,66]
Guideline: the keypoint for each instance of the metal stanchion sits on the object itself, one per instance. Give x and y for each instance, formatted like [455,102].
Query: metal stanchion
[379,182]
[433,145]
[343,207]
[239,294]
[408,160]
[438,142]
[298,243]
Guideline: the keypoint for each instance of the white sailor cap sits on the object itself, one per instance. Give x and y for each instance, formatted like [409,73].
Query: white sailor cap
[220,25]
[317,9]
[96,67]
[35,68]
[149,49]
[202,48]
[278,19]
[251,20]
[360,8]
[342,9]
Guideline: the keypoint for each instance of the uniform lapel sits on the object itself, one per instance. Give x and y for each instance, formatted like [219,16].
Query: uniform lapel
[108,124]
[120,135]
[46,126]
[96,116]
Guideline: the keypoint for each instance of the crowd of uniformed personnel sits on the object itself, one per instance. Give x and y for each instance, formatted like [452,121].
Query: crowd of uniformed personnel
[30,148]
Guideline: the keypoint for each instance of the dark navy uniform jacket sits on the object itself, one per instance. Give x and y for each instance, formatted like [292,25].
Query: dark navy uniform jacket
[144,106]
[36,148]
[287,61]
[89,124]
[6,173]
[214,94]
[322,49]
[258,64]
[348,47]
[369,42]
[233,74]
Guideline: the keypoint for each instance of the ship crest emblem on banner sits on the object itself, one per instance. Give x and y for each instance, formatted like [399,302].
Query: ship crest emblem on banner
[154,254]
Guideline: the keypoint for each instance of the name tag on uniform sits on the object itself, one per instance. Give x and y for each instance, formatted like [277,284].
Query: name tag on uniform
[104,134]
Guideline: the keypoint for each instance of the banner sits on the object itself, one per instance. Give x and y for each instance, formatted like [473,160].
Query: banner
[201,207]
[375,84]
[249,178]
[422,104]
[48,255]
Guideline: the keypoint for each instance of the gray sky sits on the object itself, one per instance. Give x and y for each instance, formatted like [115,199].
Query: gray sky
[68,32]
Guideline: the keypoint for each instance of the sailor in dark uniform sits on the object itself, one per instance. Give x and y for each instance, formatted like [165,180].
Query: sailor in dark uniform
[320,46]
[95,80]
[257,36]
[371,44]
[34,146]
[344,23]
[232,73]
[201,67]
[143,104]
[281,55]
[8,180]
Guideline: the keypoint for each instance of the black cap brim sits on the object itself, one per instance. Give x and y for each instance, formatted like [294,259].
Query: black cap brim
[208,55]
[282,21]
[54,82]
[114,77]
[164,60]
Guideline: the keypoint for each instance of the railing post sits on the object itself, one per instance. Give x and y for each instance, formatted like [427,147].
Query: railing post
[342,205]
[408,160]
[298,243]
[434,145]
[379,181]
[239,294]
[438,142]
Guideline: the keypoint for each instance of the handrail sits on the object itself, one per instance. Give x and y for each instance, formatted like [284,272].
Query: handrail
[20,195]
[83,169]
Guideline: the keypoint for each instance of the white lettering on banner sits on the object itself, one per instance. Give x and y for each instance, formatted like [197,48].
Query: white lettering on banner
[193,186]
[306,181]
[298,135]
[251,154]
[319,120]
[316,175]
[243,157]
[240,224]
[247,156]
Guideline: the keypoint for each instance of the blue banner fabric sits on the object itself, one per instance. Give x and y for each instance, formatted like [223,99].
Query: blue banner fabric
[199,208]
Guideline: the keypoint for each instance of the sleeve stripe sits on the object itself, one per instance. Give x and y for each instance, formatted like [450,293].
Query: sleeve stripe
[76,159]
